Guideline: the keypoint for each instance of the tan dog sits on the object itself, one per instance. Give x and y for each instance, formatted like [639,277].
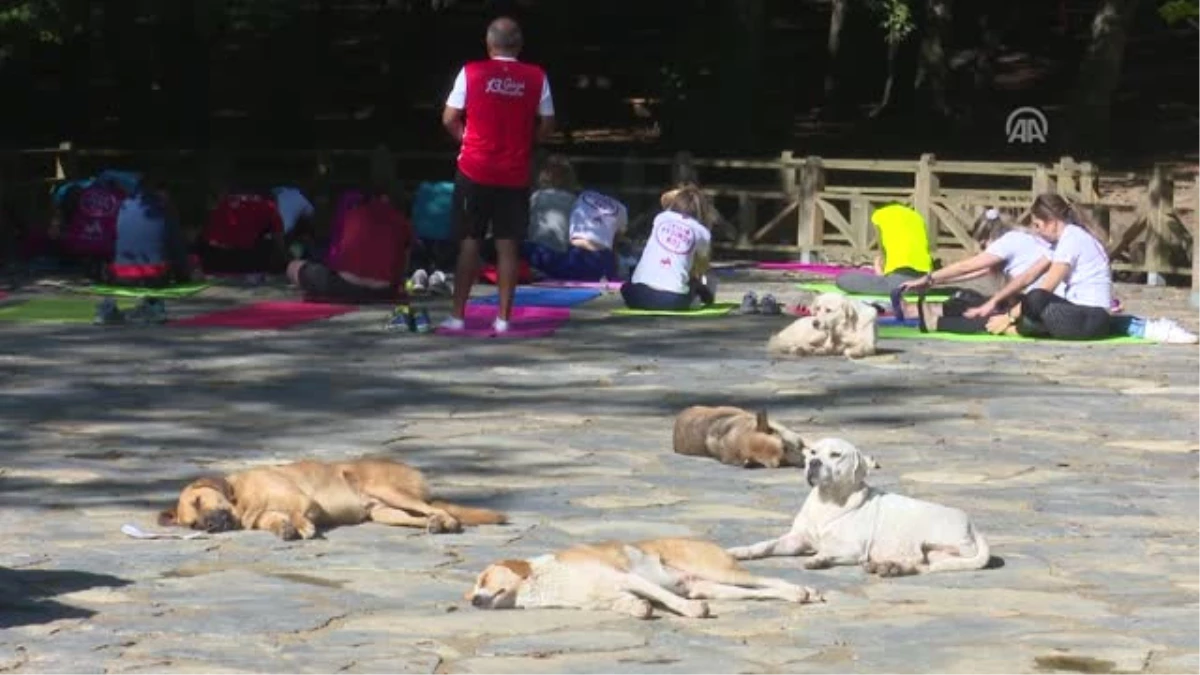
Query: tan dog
[844,521]
[675,573]
[293,500]
[737,437]
[839,325]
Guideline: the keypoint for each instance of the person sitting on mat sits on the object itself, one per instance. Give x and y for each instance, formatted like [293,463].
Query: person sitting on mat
[87,215]
[371,258]
[1009,250]
[550,206]
[297,214]
[672,271]
[596,220]
[244,235]
[1079,262]
[904,253]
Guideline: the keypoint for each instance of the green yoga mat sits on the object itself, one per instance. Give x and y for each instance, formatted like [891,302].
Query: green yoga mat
[817,287]
[911,333]
[55,309]
[180,291]
[718,309]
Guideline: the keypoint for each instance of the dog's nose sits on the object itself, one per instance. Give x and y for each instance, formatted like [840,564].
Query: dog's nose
[479,601]
[814,464]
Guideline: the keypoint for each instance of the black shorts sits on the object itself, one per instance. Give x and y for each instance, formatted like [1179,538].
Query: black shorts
[321,283]
[476,206]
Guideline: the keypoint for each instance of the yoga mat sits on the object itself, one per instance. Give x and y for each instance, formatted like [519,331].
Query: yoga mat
[817,287]
[719,309]
[598,285]
[526,322]
[315,300]
[180,291]
[543,297]
[893,321]
[266,315]
[811,268]
[907,333]
[56,309]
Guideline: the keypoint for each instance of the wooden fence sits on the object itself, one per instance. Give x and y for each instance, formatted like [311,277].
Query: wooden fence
[789,206]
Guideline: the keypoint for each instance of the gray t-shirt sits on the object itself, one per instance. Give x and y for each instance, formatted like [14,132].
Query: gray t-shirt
[550,218]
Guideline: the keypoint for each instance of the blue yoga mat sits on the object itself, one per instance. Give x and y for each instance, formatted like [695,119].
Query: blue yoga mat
[893,321]
[544,297]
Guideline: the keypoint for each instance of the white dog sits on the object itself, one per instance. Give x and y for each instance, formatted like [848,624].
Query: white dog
[839,325]
[675,573]
[846,522]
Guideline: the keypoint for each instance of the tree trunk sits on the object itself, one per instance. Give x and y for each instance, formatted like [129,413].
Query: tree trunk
[893,49]
[932,70]
[837,19]
[1090,119]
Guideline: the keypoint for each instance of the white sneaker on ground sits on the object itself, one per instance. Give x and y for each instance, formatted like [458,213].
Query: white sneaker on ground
[420,280]
[1168,332]
[438,283]
[452,323]
[500,325]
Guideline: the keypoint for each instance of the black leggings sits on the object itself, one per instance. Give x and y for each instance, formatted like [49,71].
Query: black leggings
[641,296]
[1044,314]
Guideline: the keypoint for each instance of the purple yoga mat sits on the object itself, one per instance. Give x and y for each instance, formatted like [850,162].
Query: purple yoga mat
[526,322]
[598,285]
[811,268]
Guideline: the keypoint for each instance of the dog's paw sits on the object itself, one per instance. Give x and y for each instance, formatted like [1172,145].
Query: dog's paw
[287,531]
[887,568]
[438,523]
[817,564]
[805,595]
[635,607]
[739,552]
[695,609]
[305,529]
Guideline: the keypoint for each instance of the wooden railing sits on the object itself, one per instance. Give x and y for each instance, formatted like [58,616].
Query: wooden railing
[797,206]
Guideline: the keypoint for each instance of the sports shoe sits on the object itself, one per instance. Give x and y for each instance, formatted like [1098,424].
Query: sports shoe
[1168,332]
[149,310]
[401,320]
[107,313]
[421,323]
[500,325]
[452,323]
[420,281]
[769,305]
[438,283]
[749,304]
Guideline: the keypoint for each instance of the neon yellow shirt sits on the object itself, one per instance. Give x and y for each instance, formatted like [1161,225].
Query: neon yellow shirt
[902,238]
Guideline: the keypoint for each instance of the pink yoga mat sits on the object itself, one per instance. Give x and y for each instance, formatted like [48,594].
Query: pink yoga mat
[811,268]
[526,322]
[598,285]
[266,315]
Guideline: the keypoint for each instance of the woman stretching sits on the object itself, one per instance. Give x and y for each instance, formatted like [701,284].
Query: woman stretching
[672,270]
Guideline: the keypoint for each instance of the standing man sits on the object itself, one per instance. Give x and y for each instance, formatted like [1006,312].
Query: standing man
[492,112]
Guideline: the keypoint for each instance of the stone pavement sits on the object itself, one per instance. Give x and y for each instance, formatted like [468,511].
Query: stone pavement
[1079,463]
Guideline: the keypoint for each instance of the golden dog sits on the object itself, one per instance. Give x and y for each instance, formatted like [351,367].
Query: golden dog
[629,578]
[737,437]
[294,500]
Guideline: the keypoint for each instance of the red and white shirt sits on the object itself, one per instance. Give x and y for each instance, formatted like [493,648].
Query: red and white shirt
[502,98]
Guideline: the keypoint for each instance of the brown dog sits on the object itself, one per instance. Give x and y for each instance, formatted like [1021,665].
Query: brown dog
[678,574]
[293,500]
[737,437]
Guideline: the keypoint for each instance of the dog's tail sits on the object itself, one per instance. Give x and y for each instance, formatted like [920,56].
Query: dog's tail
[983,554]
[468,515]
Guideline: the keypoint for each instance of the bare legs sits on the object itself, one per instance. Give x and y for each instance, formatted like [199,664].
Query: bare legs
[465,275]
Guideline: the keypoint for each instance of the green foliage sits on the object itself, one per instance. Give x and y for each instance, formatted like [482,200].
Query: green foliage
[895,18]
[1176,11]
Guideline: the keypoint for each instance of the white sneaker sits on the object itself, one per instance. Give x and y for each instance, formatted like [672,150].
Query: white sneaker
[452,323]
[438,283]
[419,281]
[1168,332]
[500,325]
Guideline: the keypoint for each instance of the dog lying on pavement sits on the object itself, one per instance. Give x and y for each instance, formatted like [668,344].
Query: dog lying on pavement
[844,521]
[838,325]
[737,437]
[629,578]
[294,500]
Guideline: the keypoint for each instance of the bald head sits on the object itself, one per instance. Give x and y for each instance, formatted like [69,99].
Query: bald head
[504,37]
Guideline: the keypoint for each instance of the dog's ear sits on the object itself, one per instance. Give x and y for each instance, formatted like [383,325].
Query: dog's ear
[168,517]
[219,484]
[762,423]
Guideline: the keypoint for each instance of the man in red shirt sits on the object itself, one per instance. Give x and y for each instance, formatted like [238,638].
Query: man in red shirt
[491,112]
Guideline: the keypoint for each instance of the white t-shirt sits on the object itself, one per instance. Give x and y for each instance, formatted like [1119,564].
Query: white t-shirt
[293,206]
[550,218]
[1090,281]
[666,262]
[458,93]
[597,218]
[1020,251]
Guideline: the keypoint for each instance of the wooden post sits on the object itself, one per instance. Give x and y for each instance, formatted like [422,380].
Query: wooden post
[1064,178]
[1196,269]
[1087,181]
[787,173]
[810,227]
[1041,182]
[632,177]
[683,169]
[860,223]
[925,188]
[746,218]
[1158,239]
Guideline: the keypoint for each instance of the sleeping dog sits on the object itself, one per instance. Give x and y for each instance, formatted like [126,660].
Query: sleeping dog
[839,325]
[737,437]
[844,521]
